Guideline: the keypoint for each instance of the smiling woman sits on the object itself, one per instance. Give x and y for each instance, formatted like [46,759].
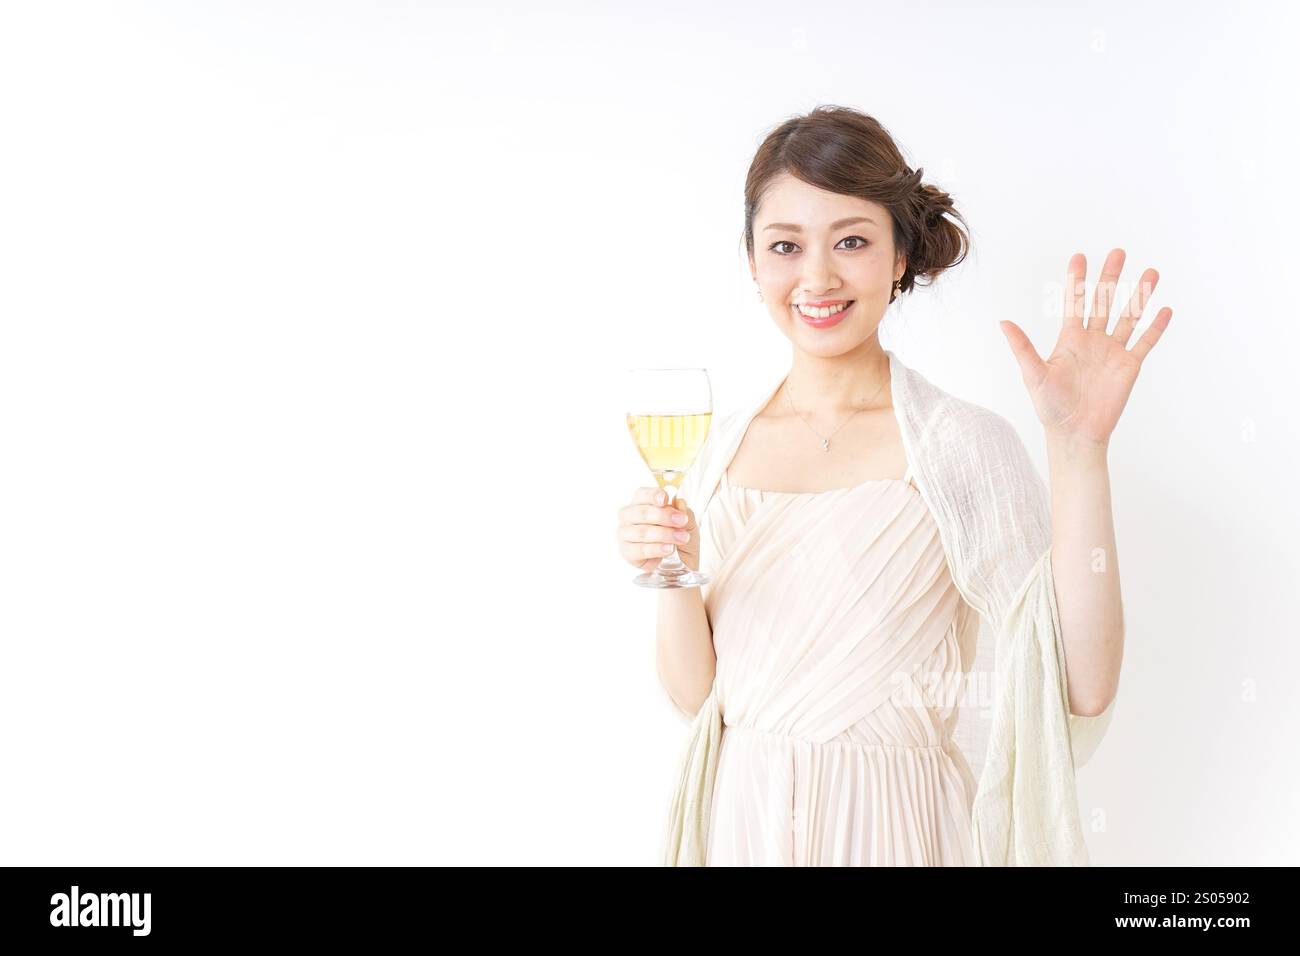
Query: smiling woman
[876,672]
[836,226]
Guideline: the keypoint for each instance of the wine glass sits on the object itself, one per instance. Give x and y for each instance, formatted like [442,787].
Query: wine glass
[668,417]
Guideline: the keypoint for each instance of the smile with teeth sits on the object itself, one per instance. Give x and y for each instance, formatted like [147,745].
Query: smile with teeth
[822,313]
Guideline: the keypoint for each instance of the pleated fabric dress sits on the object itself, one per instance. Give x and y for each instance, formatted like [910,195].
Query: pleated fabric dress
[841,642]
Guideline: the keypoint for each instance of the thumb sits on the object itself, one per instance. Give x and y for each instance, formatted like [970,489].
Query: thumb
[1031,366]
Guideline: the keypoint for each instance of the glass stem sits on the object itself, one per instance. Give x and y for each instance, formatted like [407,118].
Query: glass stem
[671,565]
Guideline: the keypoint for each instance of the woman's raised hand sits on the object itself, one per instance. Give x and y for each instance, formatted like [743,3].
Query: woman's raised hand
[1082,388]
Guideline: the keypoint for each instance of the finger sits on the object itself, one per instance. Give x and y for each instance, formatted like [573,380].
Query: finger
[635,515]
[652,551]
[1031,366]
[1104,294]
[656,550]
[653,534]
[642,499]
[1072,315]
[648,496]
[1152,335]
[649,561]
[1128,320]
[652,514]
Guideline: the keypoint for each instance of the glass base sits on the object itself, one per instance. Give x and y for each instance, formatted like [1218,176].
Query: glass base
[658,579]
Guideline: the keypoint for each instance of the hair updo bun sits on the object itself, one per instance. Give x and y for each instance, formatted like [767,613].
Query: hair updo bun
[845,151]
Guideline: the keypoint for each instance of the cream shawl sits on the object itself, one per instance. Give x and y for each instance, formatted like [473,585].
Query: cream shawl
[1014,726]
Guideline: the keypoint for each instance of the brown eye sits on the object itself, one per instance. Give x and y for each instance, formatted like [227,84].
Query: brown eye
[774,247]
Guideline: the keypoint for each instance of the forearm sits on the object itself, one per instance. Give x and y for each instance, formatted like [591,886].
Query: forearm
[1085,571]
[684,642]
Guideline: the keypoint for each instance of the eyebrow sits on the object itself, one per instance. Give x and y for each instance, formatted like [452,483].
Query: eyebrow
[837,224]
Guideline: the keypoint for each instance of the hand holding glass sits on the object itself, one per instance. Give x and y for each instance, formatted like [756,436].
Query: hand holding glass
[669,413]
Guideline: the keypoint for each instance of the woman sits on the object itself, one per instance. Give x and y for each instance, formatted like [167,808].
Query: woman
[875,542]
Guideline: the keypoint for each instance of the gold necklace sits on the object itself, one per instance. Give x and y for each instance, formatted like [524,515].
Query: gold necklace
[826,439]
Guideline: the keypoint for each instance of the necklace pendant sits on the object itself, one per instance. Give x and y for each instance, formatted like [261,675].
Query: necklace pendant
[826,444]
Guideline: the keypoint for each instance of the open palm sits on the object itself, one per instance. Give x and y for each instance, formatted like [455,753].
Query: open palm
[1080,391]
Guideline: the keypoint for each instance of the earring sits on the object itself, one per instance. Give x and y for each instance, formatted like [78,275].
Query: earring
[893,292]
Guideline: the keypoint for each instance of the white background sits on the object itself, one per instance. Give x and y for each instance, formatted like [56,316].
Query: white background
[313,319]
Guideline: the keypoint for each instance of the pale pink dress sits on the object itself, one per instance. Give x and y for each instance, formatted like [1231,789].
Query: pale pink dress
[841,642]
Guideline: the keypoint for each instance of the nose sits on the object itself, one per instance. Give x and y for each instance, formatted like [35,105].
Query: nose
[818,277]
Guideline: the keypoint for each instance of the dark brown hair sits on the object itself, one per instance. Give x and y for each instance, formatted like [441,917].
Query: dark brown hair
[845,151]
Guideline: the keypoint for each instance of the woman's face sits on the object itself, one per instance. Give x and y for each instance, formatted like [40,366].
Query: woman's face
[813,246]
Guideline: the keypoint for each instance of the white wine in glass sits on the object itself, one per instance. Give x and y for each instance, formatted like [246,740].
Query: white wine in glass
[668,417]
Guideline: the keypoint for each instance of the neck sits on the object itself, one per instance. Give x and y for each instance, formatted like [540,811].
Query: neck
[843,383]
